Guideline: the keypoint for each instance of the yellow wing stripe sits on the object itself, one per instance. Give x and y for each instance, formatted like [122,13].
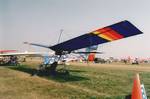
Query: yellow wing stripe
[96,32]
[105,37]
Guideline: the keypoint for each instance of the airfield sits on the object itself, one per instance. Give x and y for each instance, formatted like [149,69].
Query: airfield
[85,81]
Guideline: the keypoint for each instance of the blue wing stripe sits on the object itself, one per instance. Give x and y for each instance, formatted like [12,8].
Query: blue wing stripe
[126,29]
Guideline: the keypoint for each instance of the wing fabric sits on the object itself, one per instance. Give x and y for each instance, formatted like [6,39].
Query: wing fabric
[110,33]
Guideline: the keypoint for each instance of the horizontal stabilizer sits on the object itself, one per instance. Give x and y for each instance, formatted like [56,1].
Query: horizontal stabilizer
[87,52]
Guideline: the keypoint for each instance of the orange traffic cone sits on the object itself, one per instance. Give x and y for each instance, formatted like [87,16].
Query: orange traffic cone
[136,90]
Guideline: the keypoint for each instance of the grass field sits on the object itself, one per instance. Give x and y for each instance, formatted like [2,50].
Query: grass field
[84,82]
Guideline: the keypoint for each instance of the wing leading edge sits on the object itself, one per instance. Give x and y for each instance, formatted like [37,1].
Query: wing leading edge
[110,33]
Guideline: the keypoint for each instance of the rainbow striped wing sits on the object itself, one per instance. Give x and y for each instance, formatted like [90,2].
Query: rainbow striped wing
[110,33]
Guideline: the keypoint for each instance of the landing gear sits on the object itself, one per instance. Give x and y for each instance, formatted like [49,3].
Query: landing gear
[50,69]
[53,68]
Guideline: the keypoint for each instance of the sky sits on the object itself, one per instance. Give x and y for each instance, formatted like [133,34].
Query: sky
[40,21]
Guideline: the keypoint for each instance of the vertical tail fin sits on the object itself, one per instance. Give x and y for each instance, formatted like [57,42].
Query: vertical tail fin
[91,56]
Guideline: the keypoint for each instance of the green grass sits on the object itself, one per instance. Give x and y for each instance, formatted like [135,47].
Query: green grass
[82,83]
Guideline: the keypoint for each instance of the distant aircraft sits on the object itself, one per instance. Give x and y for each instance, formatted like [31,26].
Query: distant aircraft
[2,60]
[7,51]
[10,57]
[27,53]
[110,33]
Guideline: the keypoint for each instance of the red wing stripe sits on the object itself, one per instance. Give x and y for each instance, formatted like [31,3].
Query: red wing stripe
[115,34]
[103,30]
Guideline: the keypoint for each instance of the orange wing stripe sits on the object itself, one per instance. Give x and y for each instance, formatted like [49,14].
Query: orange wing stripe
[108,34]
